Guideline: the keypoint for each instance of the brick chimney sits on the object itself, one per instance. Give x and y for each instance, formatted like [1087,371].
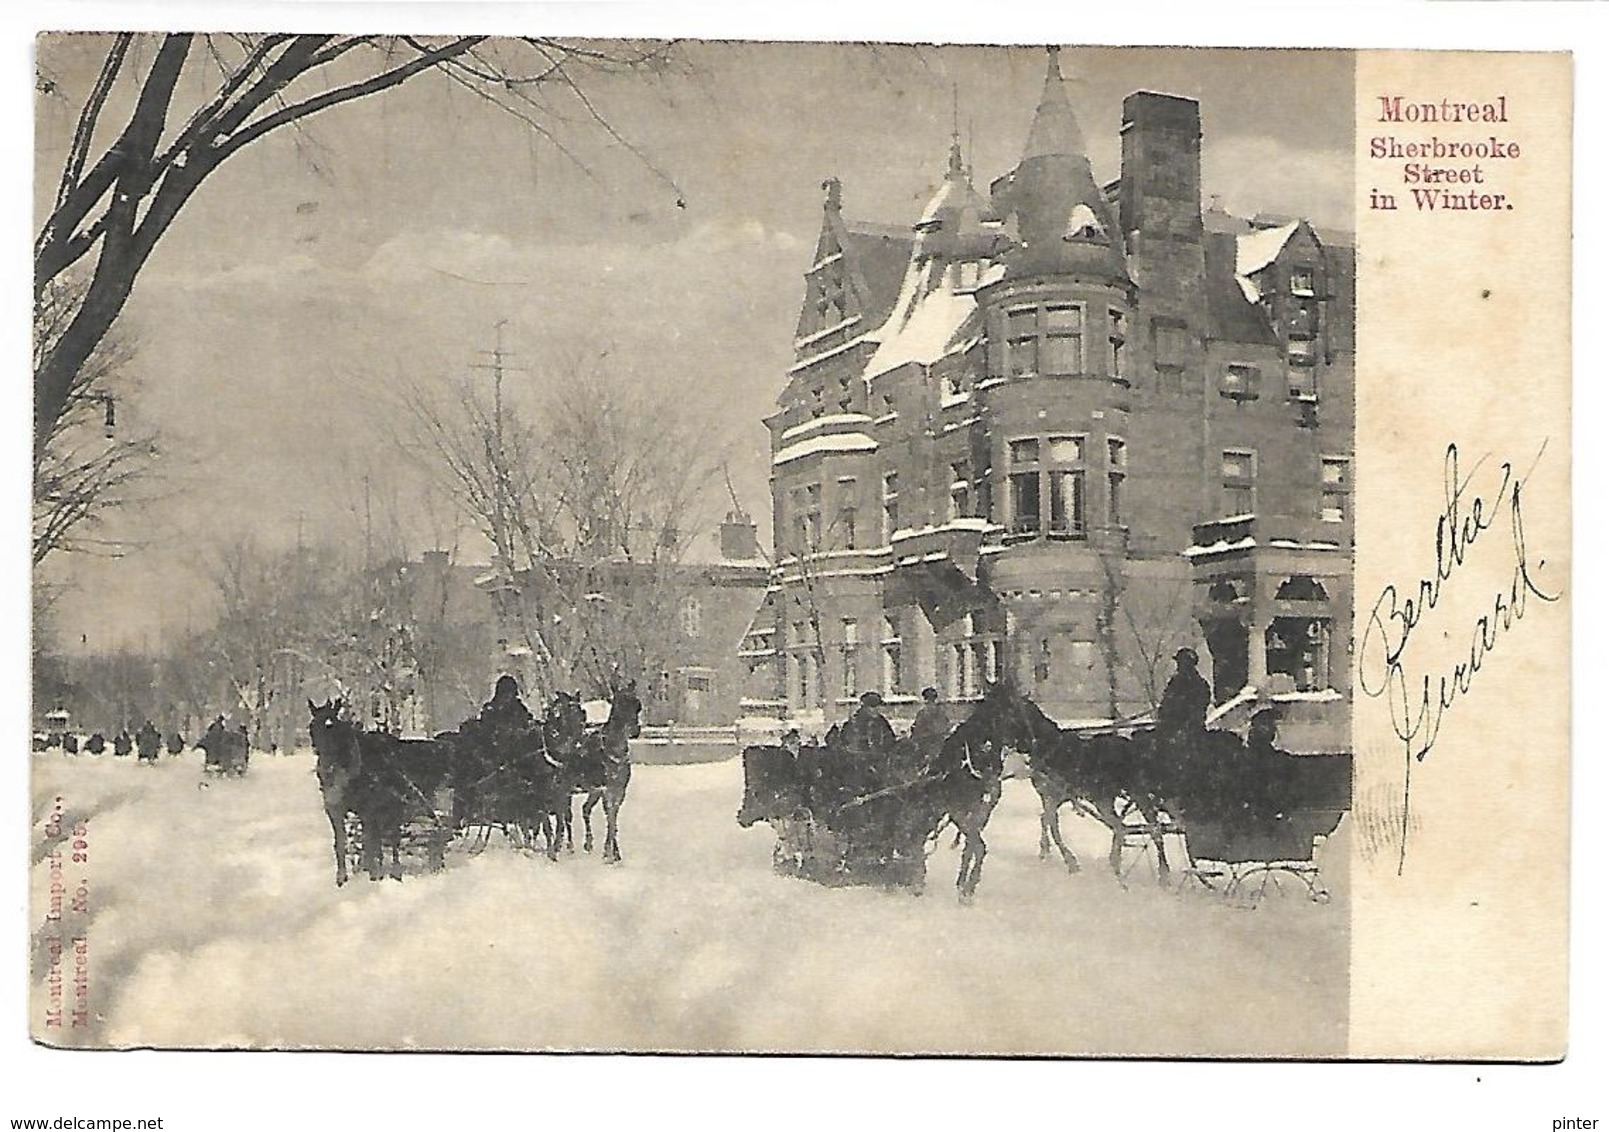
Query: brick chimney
[739,540]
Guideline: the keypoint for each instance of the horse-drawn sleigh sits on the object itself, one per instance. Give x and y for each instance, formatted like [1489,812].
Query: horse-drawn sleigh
[1244,811]
[847,815]
[1241,810]
[504,771]
[225,752]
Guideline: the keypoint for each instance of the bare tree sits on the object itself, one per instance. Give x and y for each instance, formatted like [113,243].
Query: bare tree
[121,188]
[87,466]
[1141,626]
[590,501]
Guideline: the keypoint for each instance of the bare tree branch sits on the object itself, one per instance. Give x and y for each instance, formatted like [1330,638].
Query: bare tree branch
[136,188]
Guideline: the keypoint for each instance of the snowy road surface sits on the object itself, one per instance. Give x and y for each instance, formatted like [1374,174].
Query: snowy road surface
[212,919]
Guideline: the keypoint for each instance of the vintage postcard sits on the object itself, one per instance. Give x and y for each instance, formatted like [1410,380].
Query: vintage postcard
[557,544]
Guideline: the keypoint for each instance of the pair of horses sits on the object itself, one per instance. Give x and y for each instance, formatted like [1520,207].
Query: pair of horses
[1232,800]
[521,775]
[890,826]
[520,778]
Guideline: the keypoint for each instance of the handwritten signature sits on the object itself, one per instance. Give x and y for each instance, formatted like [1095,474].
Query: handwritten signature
[1417,701]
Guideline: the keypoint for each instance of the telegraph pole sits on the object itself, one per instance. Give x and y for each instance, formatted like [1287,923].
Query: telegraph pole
[498,366]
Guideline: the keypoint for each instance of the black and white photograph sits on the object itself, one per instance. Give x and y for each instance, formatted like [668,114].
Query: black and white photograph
[557,543]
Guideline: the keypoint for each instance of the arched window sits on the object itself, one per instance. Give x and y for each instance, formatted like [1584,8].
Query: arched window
[1300,587]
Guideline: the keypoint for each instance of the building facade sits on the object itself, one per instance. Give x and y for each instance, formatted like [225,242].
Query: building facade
[1055,432]
[675,627]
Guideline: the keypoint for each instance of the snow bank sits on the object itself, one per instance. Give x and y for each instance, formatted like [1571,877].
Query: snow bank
[215,921]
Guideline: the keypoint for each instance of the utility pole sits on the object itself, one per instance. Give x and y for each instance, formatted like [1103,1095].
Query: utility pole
[498,366]
[368,527]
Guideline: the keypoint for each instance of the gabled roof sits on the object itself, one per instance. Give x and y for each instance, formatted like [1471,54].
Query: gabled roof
[880,253]
[861,262]
[1234,318]
[1258,248]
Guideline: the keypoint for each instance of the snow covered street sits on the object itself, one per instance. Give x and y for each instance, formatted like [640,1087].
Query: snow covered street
[213,919]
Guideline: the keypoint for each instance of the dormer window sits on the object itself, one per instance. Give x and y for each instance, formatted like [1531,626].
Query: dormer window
[1083,224]
[1302,282]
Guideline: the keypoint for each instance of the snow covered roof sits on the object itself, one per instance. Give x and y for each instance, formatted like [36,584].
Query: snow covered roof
[923,324]
[1257,249]
[963,524]
[1246,695]
[824,424]
[953,196]
[1222,546]
[833,442]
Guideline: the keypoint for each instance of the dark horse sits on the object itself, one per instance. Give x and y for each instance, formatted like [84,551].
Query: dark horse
[567,755]
[609,750]
[960,785]
[1199,780]
[380,779]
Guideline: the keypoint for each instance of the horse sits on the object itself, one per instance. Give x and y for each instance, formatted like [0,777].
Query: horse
[612,747]
[1107,776]
[959,785]
[516,773]
[1103,776]
[380,779]
[565,749]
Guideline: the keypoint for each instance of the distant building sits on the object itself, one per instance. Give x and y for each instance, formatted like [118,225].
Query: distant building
[1058,431]
[674,627]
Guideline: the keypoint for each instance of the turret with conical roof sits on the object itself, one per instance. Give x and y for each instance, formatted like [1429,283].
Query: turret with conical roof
[1064,224]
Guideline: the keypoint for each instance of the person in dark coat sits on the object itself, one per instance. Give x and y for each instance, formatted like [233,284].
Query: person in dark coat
[148,742]
[505,713]
[1183,710]
[1267,767]
[868,729]
[932,725]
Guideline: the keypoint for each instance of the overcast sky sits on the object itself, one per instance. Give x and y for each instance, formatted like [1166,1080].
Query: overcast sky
[312,273]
